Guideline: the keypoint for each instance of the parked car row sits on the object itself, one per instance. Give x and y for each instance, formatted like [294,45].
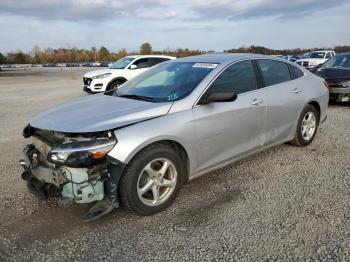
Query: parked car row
[77,64]
[313,59]
[336,71]
[17,65]
[292,58]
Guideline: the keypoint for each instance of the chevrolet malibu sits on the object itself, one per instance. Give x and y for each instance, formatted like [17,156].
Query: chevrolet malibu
[137,145]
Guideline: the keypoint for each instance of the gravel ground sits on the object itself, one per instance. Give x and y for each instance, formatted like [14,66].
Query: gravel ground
[286,203]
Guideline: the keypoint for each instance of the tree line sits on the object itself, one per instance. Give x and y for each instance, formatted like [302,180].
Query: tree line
[294,51]
[72,55]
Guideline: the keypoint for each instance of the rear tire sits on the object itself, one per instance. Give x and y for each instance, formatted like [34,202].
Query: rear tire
[307,127]
[151,180]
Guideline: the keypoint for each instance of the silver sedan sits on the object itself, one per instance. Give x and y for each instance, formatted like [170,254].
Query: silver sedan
[136,145]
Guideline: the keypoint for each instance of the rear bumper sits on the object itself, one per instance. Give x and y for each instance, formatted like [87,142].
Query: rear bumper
[339,94]
[339,90]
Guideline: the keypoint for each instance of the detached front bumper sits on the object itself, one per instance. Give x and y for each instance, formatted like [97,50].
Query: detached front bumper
[73,185]
[82,183]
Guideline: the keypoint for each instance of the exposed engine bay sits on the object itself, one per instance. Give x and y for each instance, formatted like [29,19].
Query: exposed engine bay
[72,168]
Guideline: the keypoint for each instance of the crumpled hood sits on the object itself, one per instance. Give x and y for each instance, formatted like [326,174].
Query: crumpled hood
[101,71]
[96,113]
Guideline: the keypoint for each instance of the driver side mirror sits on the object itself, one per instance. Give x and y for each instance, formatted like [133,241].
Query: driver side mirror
[132,67]
[217,97]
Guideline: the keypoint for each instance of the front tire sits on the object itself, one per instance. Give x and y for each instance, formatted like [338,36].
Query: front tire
[114,85]
[151,180]
[307,127]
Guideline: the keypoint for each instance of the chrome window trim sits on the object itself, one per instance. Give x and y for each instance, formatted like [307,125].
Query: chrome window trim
[249,59]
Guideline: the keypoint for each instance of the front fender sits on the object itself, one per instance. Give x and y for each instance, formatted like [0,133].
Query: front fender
[177,127]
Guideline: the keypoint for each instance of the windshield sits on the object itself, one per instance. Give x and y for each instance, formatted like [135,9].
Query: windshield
[314,55]
[165,82]
[122,63]
[337,61]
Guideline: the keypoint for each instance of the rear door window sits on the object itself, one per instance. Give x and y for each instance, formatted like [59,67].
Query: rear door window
[142,63]
[157,60]
[273,72]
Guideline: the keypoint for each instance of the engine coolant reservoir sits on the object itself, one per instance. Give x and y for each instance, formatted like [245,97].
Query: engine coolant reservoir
[79,188]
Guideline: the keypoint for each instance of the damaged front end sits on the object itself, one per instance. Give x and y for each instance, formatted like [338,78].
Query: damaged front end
[73,168]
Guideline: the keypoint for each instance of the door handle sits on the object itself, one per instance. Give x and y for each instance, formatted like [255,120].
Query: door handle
[256,102]
[296,91]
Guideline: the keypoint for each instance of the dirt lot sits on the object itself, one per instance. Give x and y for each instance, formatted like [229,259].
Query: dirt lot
[287,203]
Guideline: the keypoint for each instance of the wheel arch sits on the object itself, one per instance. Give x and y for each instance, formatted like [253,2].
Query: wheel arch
[119,78]
[313,103]
[176,145]
[317,106]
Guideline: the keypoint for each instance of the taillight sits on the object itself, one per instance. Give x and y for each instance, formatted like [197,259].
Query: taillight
[326,85]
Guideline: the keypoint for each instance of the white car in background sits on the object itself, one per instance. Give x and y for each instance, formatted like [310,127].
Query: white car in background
[315,58]
[121,71]
[96,64]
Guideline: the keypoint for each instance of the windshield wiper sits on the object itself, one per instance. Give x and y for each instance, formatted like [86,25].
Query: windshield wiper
[138,97]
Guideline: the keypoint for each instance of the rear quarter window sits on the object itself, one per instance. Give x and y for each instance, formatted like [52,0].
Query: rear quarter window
[295,72]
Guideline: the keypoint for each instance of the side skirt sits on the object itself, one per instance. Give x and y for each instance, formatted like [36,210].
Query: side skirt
[235,159]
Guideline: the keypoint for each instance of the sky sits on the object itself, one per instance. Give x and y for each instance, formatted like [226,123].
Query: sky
[196,24]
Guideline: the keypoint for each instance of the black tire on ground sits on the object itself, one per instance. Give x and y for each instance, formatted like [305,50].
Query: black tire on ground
[129,182]
[114,84]
[299,139]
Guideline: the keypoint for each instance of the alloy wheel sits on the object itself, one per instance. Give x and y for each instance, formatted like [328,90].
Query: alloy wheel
[308,126]
[156,182]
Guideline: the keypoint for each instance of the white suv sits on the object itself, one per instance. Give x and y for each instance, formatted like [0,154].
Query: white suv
[312,59]
[121,71]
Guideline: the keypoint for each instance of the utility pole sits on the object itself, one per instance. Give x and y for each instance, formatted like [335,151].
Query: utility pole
[94,52]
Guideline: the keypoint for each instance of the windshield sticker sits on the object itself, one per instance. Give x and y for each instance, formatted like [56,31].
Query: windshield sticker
[172,97]
[205,65]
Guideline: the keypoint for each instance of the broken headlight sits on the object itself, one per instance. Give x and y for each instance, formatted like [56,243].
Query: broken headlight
[81,153]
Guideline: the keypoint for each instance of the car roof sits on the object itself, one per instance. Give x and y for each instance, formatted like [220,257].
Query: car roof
[343,54]
[321,51]
[219,58]
[156,56]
